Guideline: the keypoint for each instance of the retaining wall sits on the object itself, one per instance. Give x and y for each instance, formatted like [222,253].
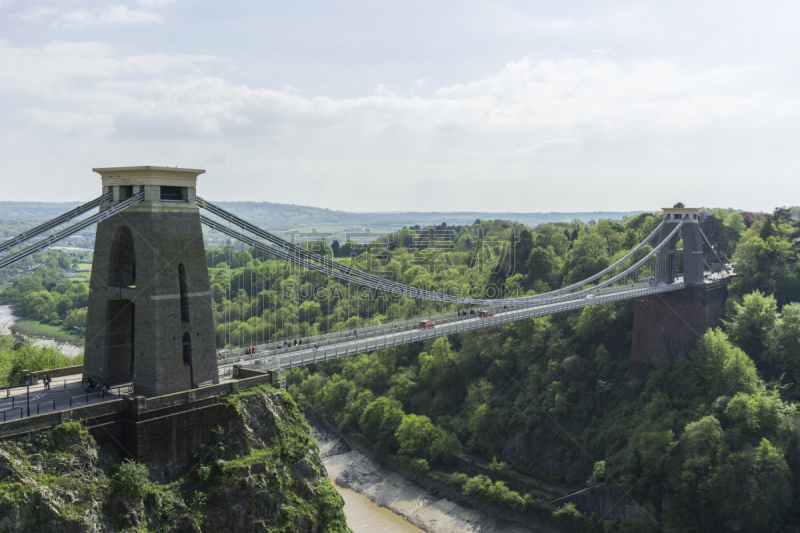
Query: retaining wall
[160,431]
[57,372]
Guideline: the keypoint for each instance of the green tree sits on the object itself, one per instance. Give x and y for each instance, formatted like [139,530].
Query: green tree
[751,489]
[754,416]
[767,263]
[438,369]
[415,436]
[735,221]
[523,251]
[598,472]
[786,343]
[387,435]
[540,265]
[722,237]
[333,397]
[717,367]
[446,448]
[701,437]
[372,418]
[132,479]
[753,322]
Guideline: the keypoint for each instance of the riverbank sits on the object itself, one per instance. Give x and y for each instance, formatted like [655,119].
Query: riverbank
[402,496]
[64,343]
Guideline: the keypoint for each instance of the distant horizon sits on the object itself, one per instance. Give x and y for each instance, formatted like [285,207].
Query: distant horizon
[398,212]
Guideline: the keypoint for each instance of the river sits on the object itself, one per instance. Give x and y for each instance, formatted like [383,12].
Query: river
[364,516]
[7,319]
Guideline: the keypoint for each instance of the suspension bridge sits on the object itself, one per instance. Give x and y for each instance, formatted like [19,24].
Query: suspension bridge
[150,319]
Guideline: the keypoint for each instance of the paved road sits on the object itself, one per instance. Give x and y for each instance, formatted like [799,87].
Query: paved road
[41,400]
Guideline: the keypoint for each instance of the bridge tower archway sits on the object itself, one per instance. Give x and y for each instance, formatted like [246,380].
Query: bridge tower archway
[119,346]
[690,261]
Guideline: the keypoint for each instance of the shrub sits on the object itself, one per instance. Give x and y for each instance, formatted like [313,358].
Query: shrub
[197,503]
[69,427]
[477,486]
[211,466]
[499,469]
[132,479]
[598,472]
[536,507]
[203,473]
[420,466]
[569,517]
[458,479]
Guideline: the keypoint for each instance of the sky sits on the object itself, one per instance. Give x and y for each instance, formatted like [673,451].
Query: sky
[414,105]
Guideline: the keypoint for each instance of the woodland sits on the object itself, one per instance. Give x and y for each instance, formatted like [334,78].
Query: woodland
[710,442]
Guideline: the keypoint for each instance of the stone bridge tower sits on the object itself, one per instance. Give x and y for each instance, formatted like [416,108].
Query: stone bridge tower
[150,317]
[669,324]
[692,256]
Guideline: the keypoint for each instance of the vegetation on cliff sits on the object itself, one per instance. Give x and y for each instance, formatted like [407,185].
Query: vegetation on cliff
[264,476]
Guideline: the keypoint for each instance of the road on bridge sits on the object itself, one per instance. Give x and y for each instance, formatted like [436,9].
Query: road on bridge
[306,354]
[67,392]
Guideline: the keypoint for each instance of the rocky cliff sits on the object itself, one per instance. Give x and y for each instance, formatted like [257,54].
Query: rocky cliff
[262,472]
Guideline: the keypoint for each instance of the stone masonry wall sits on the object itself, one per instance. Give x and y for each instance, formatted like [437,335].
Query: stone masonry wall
[158,432]
[669,324]
[162,241]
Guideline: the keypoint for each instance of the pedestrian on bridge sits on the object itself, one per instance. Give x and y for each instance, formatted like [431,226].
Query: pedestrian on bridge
[46,382]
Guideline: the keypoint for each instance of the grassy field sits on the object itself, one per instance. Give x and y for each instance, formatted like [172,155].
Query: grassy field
[83,276]
[33,328]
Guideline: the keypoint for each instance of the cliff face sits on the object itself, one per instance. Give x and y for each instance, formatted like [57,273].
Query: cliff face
[262,473]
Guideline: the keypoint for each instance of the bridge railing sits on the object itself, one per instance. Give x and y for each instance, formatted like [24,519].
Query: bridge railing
[24,408]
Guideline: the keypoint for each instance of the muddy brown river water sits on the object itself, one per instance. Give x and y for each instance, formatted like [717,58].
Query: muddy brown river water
[364,516]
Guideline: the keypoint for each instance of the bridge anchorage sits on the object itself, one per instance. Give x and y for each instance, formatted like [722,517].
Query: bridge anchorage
[150,315]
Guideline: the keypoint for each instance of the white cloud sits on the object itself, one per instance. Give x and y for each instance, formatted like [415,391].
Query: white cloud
[79,18]
[154,3]
[435,113]
[616,99]
[38,13]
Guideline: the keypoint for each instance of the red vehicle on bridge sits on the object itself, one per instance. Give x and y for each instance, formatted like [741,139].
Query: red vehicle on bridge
[425,324]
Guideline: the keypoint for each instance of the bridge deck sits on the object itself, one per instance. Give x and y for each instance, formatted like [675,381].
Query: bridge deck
[306,354]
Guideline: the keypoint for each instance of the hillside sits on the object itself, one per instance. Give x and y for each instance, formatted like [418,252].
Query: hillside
[286,217]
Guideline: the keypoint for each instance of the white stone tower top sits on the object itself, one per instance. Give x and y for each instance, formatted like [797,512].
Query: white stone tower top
[679,213]
[149,175]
